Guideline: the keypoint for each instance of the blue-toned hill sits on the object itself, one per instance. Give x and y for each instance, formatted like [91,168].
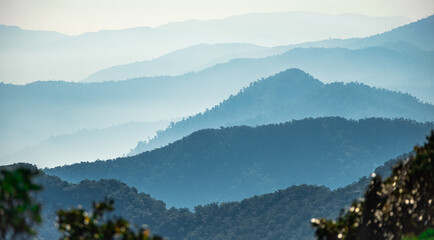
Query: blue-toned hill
[233,163]
[294,94]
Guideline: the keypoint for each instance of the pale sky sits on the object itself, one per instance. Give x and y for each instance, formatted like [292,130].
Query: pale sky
[74,17]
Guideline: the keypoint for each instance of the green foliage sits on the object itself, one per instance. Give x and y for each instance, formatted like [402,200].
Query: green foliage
[18,209]
[79,224]
[400,205]
[427,235]
[284,214]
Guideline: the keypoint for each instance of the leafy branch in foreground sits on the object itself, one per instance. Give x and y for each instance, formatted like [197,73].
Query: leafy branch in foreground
[391,209]
[18,210]
[79,224]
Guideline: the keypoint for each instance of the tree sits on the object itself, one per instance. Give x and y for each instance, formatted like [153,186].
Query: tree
[79,224]
[391,209]
[18,210]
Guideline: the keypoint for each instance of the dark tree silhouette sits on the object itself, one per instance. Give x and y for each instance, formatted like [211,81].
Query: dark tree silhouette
[19,212]
[79,224]
[400,205]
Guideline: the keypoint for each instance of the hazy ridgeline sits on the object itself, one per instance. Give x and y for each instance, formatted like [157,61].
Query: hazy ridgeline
[27,56]
[276,215]
[412,38]
[286,212]
[238,162]
[85,145]
[261,137]
[34,115]
[37,111]
[294,94]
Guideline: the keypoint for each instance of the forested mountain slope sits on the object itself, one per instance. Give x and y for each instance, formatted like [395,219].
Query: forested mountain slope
[37,111]
[32,113]
[293,94]
[234,163]
[284,214]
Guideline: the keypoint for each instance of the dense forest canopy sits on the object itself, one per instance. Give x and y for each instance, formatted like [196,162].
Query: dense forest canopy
[237,162]
[277,215]
[401,205]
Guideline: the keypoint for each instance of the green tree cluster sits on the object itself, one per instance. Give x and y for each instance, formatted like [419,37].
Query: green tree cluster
[19,212]
[79,224]
[400,205]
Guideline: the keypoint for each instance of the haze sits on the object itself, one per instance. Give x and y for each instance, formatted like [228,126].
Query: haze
[74,17]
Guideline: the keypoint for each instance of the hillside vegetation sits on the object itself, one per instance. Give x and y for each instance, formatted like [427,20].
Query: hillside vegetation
[283,214]
[237,162]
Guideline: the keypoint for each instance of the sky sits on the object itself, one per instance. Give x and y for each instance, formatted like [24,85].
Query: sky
[74,17]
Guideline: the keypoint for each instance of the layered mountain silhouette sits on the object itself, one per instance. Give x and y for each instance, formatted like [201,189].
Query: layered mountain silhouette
[207,221]
[35,112]
[400,59]
[227,164]
[412,38]
[415,33]
[273,215]
[293,94]
[85,145]
[29,56]
[186,60]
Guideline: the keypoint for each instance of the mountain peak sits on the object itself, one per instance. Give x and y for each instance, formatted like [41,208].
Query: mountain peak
[293,77]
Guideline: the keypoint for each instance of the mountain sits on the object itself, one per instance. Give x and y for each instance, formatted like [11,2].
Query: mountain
[14,39]
[238,162]
[207,221]
[272,29]
[194,58]
[35,112]
[277,215]
[411,38]
[85,145]
[72,58]
[415,33]
[294,94]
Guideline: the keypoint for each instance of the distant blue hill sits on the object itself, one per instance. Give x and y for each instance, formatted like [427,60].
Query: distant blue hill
[293,94]
[416,33]
[29,56]
[194,58]
[93,144]
[411,38]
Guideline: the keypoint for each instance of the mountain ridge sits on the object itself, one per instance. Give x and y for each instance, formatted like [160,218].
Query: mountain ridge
[91,52]
[294,94]
[237,162]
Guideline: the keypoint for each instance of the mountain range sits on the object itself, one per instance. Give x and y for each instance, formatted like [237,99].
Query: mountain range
[27,56]
[191,59]
[243,128]
[286,212]
[36,112]
[400,59]
[238,162]
[85,145]
[294,94]
[411,38]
